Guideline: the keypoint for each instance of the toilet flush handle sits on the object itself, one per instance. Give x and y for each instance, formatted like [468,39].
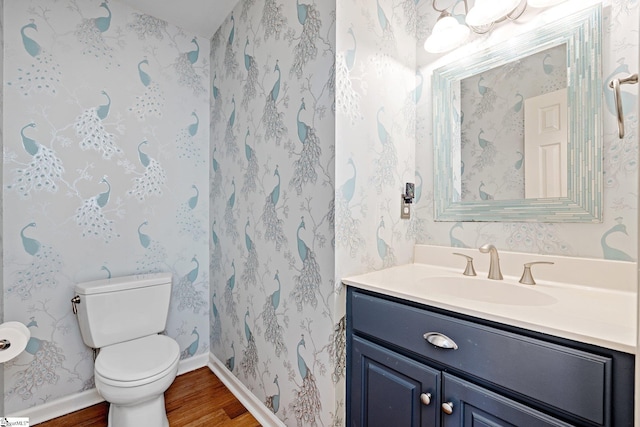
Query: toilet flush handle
[74,301]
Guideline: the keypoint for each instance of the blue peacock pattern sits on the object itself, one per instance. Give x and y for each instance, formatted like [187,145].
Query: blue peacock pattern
[230,219]
[155,255]
[185,293]
[91,218]
[187,142]
[90,127]
[43,73]
[47,358]
[386,162]
[347,226]
[216,250]
[151,102]
[251,83]
[216,177]
[188,76]
[306,49]
[307,282]
[216,325]
[306,404]
[253,168]
[272,402]
[187,220]
[272,119]
[151,181]
[43,269]
[304,168]
[192,348]
[249,362]
[230,139]
[229,296]
[274,226]
[230,61]
[42,172]
[273,331]
[251,263]
[91,33]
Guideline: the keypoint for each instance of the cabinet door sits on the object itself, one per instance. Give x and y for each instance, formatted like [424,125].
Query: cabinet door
[388,389]
[474,406]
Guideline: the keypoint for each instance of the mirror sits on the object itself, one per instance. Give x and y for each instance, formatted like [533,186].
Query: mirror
[502,115]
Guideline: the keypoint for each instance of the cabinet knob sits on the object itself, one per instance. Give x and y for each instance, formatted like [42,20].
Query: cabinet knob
[425,398]
[447,408]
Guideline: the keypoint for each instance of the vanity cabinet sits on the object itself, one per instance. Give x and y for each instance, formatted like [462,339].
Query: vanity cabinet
[414,365]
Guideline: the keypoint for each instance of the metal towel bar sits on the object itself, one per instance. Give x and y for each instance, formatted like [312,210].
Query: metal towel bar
[615,85]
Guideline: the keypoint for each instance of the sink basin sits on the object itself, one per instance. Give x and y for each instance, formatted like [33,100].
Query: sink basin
[485,290]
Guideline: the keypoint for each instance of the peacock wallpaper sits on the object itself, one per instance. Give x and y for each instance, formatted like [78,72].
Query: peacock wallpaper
[105,174]
[260,167]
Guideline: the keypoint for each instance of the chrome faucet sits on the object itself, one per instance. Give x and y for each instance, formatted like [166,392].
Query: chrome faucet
[494,266]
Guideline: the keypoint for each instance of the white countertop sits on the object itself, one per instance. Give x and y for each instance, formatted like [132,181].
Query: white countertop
[596,315]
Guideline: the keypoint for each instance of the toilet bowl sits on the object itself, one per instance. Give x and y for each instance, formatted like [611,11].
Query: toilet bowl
[124,317]
[133,377]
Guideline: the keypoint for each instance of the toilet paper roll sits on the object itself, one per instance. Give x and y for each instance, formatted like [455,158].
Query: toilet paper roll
[17,335]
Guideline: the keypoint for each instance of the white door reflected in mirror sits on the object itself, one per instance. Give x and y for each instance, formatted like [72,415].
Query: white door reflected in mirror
[545,145]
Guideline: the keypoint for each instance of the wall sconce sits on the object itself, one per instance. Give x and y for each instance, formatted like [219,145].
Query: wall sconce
[449,33]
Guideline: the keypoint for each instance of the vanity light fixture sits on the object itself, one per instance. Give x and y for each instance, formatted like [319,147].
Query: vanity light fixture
[449,33]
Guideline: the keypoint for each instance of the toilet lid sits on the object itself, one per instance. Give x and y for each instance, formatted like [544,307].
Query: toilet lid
[137,359]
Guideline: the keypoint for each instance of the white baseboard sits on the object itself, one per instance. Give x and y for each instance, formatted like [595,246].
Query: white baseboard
[75,402]
[260,412]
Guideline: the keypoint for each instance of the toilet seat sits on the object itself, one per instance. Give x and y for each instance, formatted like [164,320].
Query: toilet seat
[137,362]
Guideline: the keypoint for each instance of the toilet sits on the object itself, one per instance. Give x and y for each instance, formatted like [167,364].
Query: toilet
[123,317]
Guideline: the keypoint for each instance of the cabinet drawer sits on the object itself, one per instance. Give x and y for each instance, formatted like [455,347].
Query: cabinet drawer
[569,380]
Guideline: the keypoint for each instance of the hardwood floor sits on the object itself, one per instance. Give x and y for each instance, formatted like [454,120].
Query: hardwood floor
[197,398]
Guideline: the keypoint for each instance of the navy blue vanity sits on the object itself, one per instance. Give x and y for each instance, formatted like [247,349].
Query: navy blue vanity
[410,364]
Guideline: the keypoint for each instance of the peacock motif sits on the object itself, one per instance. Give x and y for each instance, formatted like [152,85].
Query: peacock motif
[305,166]
[193,347]
[273,330]
[45,264]
[251,264]
[487,156]
[273,402]
[306,403]
[47,358]
[43,73]
[347,98]
[251,66]
[216,326]
[229,135]
[90,127]
[385,251]
[216,179]
[306,49]
[147,26]
[150,182]
[229,218]
[230,302]
[41,173]
[155,255]
[487,102]
[90,33]
[251,173]
[387,160]
[187,74]
[273,119]
[230,60]
[91,219]
[274,226]
[338,349]
[455,242]
[249,362]
[186,144]
[185,292]
[307,283]
[610,252]
[151,101]
[188,223]
[536,238]
[348,233]
[410,104]
[273,19]
[216,102]
[216,250]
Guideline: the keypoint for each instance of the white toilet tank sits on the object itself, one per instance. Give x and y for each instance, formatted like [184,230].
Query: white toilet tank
[121,309]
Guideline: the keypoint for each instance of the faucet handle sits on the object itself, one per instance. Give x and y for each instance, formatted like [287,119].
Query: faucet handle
[527,277]
[469,270]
